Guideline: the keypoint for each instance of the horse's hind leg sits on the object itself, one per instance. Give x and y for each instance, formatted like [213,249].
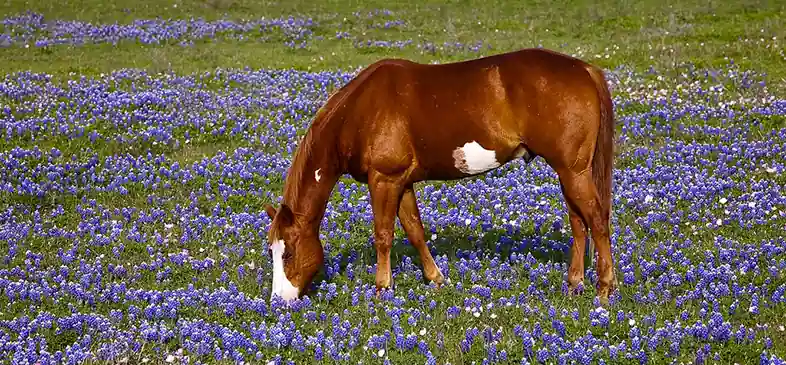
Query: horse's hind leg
[409,216]
[578,229]
[580,191]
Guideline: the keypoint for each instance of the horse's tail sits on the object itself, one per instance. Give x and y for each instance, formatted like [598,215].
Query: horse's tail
[602,161]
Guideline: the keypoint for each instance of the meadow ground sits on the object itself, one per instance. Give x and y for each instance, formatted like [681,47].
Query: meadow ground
[142,139]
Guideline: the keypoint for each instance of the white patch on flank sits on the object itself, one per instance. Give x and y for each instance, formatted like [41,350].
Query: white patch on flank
[281,285]
[316,175]
[472,158]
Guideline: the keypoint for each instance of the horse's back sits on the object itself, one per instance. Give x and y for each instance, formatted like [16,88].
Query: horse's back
[442,116]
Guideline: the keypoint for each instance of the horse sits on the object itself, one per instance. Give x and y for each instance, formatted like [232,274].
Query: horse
[399,122]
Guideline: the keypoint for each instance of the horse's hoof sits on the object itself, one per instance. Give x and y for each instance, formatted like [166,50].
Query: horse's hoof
[603,296]
[604,300]
[576,289]
[437,285]
[573,291]
[380,290]
[435,277]
[604,291]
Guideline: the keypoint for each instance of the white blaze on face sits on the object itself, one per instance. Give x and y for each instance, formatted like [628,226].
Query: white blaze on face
[281,285]
[316,175]
[472,158]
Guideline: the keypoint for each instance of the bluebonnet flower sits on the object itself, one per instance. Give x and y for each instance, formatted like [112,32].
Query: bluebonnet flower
[695,192]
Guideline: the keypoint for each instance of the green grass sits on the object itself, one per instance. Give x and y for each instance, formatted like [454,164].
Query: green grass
[634,33]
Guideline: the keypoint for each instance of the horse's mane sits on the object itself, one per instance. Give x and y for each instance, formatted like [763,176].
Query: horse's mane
[321,121]
[304,152]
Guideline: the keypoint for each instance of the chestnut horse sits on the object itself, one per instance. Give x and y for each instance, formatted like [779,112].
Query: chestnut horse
[399,122]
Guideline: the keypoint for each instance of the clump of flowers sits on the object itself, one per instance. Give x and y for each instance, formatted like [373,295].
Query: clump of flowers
[133,229]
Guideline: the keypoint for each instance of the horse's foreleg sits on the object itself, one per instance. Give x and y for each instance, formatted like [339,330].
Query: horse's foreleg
[409,216]
[385,196]
[581,191]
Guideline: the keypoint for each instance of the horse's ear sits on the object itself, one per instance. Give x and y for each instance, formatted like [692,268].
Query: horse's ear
[271,212]
[285,215]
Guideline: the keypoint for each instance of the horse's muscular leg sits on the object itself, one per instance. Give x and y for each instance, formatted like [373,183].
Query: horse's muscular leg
[409,216]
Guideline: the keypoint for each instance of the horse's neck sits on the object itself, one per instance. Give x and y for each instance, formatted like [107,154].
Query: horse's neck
[317,168]
[318,173]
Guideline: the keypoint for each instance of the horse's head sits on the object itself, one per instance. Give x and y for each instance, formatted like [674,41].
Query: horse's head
[296,251]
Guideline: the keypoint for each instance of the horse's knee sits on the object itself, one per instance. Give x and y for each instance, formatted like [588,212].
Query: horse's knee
[383,239]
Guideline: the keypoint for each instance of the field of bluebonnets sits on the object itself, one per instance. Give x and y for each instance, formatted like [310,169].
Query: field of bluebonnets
[141,142]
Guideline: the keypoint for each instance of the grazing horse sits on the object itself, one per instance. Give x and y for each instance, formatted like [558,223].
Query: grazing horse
[399,122]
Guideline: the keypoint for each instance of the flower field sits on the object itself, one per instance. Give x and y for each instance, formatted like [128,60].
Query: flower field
[133,228]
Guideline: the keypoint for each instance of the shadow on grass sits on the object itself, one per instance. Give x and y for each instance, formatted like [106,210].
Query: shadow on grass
[455,243]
